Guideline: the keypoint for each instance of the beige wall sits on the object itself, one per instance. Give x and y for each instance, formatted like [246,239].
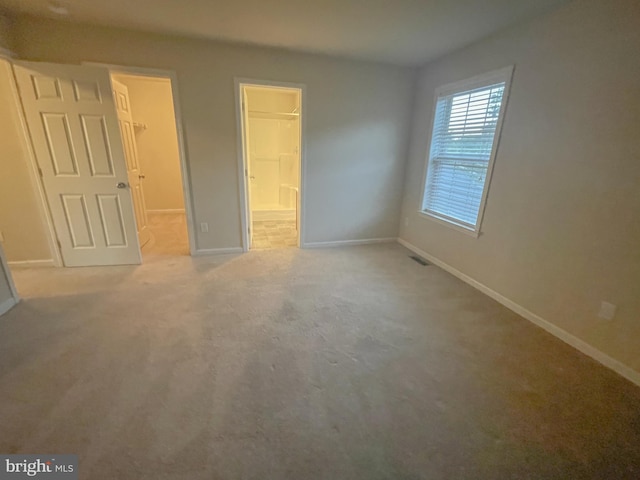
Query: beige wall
[21,221]
[356,124]
[6,40]
[152,104]
[562,223]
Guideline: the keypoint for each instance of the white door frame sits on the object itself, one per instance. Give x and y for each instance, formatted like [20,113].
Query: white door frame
[34,173]
[243,185]
[184,168]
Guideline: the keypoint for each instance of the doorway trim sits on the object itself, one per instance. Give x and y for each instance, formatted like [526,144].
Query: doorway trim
[182,150]
[243,187]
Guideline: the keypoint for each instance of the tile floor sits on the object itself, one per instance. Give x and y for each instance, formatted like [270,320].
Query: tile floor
[269,234]
[168,235]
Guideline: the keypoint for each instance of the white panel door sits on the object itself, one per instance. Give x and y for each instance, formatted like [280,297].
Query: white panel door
[76,138]
[125,118]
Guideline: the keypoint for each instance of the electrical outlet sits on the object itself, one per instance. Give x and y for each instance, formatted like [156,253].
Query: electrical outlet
[607,311]
[204,227]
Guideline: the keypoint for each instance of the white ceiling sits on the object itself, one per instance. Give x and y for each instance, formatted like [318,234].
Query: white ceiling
[407,32]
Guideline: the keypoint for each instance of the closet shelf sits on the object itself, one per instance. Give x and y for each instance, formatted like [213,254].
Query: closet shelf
[276,114]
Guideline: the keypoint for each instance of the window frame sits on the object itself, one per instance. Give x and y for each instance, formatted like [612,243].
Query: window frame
[496,76]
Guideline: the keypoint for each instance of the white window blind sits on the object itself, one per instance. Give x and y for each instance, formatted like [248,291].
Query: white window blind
[462,143]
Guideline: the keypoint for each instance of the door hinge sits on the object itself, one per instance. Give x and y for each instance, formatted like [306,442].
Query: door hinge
[40,172]
[59,244]
[246,172]
[249,230]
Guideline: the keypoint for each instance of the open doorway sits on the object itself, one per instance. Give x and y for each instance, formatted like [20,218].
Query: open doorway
[148,127]
[271,127]
[68,136]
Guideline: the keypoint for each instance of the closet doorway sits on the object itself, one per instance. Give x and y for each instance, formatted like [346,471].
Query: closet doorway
[271,146]
[147,119]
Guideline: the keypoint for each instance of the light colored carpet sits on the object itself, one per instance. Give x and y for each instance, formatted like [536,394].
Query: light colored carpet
[350,363]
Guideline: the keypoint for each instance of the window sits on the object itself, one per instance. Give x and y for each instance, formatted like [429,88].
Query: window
[466,128]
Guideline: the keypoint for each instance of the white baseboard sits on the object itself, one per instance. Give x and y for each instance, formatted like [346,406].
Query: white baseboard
[589,350]
[32,263]
[348,243]
[203,252]
[7,305]
[166,211]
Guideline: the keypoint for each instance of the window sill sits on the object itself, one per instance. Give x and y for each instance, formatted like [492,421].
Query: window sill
[449,223]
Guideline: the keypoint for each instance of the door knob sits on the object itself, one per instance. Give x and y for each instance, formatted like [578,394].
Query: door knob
[142,176]
[121,185]
[252,177]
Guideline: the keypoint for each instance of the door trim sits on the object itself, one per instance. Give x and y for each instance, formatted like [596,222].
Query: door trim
[243,187]
[34,175]
[184,167]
